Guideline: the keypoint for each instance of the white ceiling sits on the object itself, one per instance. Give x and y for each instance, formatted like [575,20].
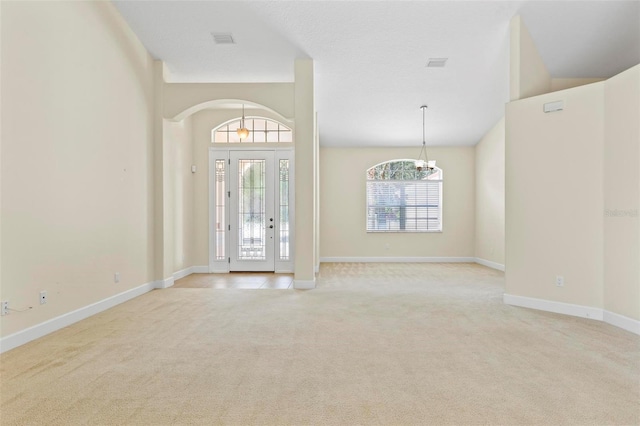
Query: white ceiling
[370,56]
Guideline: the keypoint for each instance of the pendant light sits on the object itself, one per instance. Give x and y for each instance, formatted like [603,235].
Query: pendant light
[423,161]
[243,132]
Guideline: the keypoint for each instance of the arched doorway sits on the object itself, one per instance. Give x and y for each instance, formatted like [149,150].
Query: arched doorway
[251,197]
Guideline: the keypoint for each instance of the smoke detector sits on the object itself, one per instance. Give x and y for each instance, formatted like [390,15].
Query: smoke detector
[223,38]
[436,62]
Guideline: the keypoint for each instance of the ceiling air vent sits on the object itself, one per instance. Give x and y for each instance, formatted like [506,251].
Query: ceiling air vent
[436,62]
[223,38]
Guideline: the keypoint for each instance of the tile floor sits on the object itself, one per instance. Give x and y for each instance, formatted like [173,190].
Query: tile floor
[238,280]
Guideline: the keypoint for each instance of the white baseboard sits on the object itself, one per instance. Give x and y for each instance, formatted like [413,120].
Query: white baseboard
[478,260]
[21,337]
[553,306]
[617,320]
[304,284]
[623,322]
[490,264]
[165,283]
[190,270]
[398,259]
[217,268]
[54,324]
[181,274]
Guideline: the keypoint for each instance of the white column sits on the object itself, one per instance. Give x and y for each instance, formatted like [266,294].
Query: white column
[304,175]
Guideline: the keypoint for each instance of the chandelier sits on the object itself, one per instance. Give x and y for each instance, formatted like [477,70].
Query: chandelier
[423,162]
[243,132]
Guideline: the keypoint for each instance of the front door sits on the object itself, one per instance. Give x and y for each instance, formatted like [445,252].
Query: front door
[252,211]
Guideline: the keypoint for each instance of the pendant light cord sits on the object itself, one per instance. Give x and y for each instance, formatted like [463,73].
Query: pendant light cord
[424,138]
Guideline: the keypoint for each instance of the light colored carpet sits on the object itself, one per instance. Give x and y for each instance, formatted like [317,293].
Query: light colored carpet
[393,344]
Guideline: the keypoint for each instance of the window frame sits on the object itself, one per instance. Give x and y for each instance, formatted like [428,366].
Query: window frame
[232,125]
[436,177]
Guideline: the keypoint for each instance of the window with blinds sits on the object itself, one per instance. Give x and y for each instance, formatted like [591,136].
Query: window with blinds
[403,199]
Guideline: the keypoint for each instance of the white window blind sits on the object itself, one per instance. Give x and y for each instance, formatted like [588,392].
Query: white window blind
[402,205]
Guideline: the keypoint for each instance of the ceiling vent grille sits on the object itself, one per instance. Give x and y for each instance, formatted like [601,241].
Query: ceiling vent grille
[223,38]
[436,62]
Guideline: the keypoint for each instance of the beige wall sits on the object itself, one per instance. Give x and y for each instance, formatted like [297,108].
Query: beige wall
[203,122]
[554,197]
[184,99]
[343,205]
[316,212]
[489,180]
[180,156]
[590,151]
[1,133]
[622,194]
[568,83]
[158,173]
[528,74]
[305,174]
[573,194]
[77,172]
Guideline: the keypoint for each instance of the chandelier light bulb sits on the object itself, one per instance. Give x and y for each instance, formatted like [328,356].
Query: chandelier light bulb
[242,132]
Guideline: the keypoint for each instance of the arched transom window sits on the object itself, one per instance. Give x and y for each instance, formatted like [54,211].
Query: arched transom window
[402,199]
[260,130]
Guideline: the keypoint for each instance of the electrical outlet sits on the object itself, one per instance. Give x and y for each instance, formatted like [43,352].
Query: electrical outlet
[43,297]
[116,277]
[5,308]
[559,281]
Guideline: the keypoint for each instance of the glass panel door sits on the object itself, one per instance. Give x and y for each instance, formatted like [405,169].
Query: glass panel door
[252,212]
